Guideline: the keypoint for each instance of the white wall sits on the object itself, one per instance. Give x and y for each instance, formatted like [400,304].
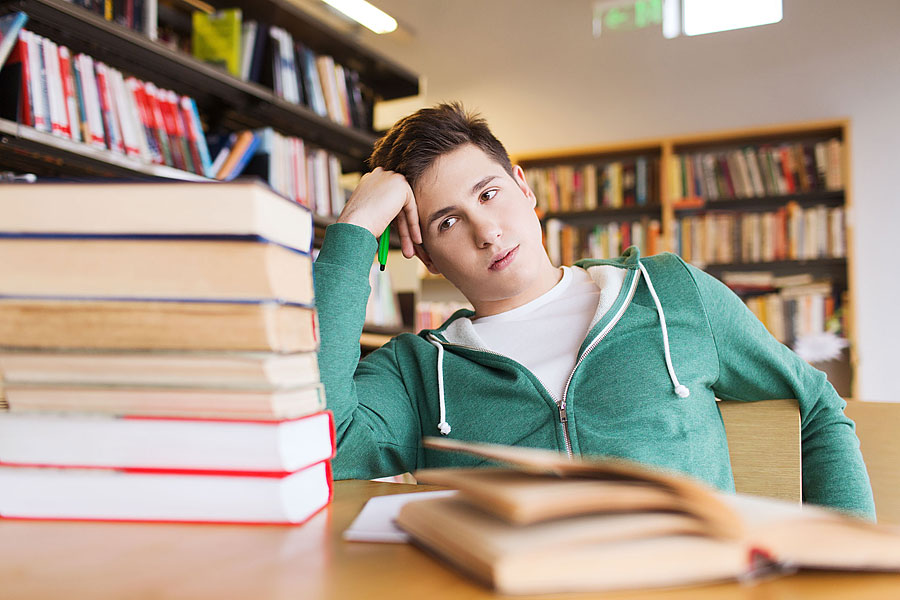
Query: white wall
[535,72]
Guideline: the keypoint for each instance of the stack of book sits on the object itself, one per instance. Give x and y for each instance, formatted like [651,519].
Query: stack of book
[158,355]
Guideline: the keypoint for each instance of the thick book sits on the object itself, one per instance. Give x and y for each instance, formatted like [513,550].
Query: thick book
[48,493]
[229,370]
[215,401]
[547,524]
[153,269]
[247,209]
[169,443]
[147,325]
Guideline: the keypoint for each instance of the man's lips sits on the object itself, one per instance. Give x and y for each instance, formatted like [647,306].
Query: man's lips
[504,259]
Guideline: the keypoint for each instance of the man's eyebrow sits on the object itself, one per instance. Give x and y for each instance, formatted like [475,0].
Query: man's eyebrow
[439,213]
[483,182]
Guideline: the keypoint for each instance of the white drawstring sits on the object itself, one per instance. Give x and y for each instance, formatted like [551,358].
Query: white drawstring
[443,426]
[681,391]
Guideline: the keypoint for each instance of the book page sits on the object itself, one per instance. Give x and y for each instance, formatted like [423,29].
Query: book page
[375,522]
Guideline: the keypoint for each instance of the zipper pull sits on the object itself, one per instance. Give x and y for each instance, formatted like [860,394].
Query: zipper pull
[562,412]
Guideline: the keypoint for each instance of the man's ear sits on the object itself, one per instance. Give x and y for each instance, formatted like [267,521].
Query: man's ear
[519,178]
[425,258]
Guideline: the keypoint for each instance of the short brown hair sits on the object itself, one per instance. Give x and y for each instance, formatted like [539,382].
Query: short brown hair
[416,141]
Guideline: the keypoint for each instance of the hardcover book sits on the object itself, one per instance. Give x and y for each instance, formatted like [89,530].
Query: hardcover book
[169,443]
[155,495]
[240,209]
[139,325]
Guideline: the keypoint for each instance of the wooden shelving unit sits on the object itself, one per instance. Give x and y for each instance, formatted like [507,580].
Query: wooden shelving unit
[225,100]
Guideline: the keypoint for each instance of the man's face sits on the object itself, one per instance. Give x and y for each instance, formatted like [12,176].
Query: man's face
[480,231]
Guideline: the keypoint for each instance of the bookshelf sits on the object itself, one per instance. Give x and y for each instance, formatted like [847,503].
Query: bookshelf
[742,224]
[224,101]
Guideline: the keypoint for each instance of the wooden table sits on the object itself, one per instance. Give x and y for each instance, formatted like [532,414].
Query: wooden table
[131,561]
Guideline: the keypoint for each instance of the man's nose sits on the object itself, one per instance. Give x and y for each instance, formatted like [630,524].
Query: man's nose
[487,231]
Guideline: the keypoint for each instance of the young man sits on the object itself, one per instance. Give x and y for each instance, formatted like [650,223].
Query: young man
[619,357]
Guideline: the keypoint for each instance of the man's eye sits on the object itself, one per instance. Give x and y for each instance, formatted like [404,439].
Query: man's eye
[447,223]
[488,194]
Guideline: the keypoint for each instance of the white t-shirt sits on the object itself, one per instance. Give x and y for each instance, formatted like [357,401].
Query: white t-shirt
[545,334]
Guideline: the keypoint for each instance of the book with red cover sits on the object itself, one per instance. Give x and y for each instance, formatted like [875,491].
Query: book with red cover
[95,494]
[110,120]
[95,440]
[70,97]
[15,99]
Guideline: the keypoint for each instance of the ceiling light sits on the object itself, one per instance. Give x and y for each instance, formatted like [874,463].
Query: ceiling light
[364,13]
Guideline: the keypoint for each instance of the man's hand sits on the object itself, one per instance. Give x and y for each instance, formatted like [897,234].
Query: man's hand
[381,197]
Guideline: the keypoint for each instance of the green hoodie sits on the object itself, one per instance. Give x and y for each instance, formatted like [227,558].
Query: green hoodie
[623,399]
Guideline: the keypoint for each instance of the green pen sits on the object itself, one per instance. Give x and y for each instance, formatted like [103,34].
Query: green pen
[383,243]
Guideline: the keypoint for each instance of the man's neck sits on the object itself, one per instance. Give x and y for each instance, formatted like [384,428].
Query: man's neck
[548,278]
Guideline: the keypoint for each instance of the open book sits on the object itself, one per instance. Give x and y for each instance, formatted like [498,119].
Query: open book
[547,524]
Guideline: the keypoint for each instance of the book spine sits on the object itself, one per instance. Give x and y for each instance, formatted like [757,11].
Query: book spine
[154,112]
[176,143]
[59,121]
[70,94]
[192,119]
[91,94]
[121,108]
[24,110]
[110,122]
[37,80]
[135,90]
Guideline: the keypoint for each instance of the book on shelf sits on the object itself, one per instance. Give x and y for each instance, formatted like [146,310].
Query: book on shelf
[239,154]
[179,370]
[216,38]
[219,443]
[156,495]
[548,524]
[15,86]
[10,25]
[245,209]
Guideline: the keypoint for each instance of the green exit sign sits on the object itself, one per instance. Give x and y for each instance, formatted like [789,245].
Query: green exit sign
[619,15]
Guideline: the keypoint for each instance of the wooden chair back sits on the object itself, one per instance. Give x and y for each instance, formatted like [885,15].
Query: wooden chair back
[764,444]
[877,426]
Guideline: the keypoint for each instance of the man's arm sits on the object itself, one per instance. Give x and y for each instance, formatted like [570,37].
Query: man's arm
[375,420]
[753,365]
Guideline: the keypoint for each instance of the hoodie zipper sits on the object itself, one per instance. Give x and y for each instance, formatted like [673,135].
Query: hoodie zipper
[561,403]
[563,417]
[543,385]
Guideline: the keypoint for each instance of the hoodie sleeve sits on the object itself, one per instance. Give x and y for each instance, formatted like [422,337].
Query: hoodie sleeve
[753,365]
[376,425]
